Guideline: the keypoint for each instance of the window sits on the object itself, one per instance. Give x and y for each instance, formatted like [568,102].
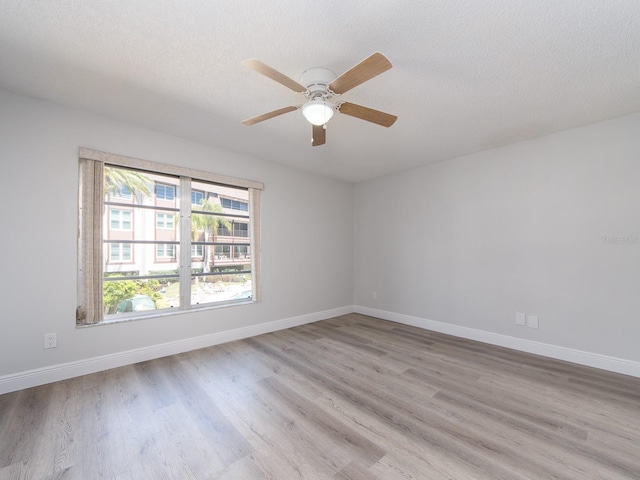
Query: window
[241,230]
[164,220]
[157,246]
[197,197]
[120,219]
[223,231]
[165,251]
[119,252]
[235,204]
[197,251]
[240,251]
[122,191]
[165,192]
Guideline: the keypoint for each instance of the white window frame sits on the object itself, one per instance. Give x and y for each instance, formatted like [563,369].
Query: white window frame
[237,228]
[197,251]
[163,248]
[90,240]
[120,219]
[197,192]
[168,222]
[240,204]
[119,257]
[165,186]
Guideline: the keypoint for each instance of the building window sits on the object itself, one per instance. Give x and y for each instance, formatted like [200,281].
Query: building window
[163,245]
[165,251]
[121,191]
[164,220]
[119,252]
[235,204]
[197,197]
[223,251]
[240,251]
[223,231]
[120,219]
[241,230]
[165,192]
[197,251]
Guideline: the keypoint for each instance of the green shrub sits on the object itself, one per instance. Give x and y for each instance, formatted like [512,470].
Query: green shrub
[116,291]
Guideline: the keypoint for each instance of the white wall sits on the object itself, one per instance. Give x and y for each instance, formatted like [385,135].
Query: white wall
[38,153]
[467,242]
[470,241]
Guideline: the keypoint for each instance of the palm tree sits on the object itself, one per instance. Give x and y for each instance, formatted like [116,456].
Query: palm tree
[116,178]
[208,225]
[114,181]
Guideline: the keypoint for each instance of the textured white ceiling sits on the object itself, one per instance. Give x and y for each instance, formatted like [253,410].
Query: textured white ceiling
[468,75]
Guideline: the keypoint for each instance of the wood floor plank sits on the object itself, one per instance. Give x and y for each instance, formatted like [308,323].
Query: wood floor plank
[449,440]
[350,398]
[321,425]
[270,429]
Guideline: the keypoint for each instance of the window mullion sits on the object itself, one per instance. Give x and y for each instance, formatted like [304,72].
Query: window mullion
[185,242]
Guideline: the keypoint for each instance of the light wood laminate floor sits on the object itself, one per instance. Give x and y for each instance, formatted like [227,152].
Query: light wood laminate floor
[353,397]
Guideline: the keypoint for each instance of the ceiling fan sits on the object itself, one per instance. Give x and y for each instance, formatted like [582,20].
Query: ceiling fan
[319,86]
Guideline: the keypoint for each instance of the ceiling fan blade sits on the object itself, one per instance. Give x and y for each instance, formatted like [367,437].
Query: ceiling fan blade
[267,71]
[368,114]
[267,116]
[319,135]
[365,70]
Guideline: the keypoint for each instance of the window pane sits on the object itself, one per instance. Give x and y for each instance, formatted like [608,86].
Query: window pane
[197,252]
[115,252]
[126,220]
[227,285]
[235,204]
[119,252]
[165,221]
[156,255]
[165,192]
[240,229]
[120,219]
[223,275]
[134,294]
[223,230]
[115,219]
[131,296]
[197,197]
[165,251]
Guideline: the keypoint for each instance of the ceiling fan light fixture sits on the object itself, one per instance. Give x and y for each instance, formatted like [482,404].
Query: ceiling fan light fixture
[320,85]
[318,111]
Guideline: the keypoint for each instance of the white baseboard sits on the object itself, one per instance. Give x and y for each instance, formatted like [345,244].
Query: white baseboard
[41,376]
[54,373]
[612,364]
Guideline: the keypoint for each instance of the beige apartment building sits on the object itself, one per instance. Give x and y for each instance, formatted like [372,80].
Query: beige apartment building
[142,229]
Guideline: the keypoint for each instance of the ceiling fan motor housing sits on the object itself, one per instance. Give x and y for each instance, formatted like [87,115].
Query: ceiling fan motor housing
[316,80]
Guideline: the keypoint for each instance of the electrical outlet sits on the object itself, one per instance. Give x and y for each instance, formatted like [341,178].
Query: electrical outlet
[521,318]
[374,295]
[50,340]
[532,321]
